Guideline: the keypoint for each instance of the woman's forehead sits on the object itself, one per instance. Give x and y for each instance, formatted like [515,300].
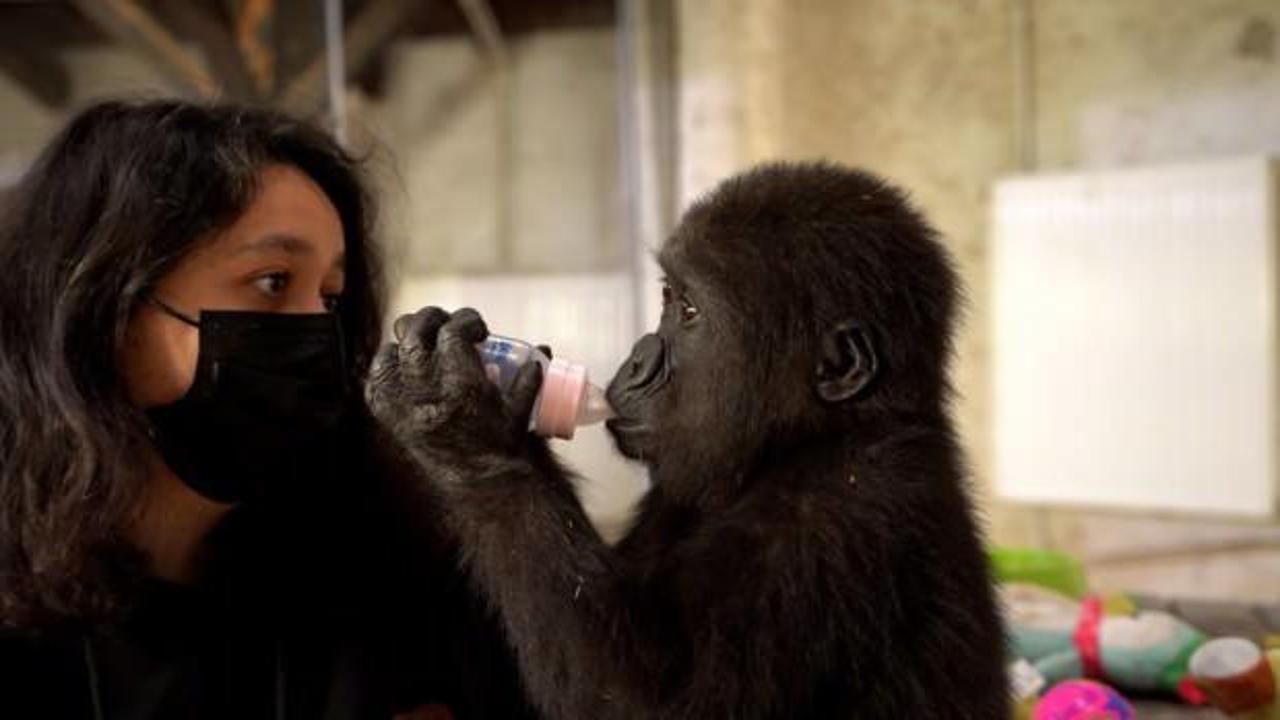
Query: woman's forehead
[290,215]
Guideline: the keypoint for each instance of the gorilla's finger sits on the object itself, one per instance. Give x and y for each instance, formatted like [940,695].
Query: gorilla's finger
[401,326]
[545,350]
[524,393]
[418,331]
[458,361]
[383,378]
[421,336]
[385,363]
[467,325]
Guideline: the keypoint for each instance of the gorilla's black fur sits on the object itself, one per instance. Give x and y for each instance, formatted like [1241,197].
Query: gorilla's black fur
[807,549]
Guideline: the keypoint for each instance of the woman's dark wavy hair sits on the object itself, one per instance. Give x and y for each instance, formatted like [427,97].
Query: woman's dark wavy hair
[114,201]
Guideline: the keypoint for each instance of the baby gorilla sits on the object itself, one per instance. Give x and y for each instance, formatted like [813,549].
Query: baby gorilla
[807,549]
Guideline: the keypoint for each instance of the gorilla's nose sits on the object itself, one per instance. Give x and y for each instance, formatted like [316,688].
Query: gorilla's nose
[645,362]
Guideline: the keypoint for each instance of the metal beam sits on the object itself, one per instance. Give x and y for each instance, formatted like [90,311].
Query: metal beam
[376,24]
[134,27]
[494,49]
[485,27]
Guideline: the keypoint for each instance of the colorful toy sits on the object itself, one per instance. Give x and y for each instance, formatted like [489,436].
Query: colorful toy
[1066,639]
[1082,700]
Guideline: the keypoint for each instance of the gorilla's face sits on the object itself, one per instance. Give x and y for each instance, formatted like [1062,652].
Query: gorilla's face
[715,385]
[767,341]
[674,380]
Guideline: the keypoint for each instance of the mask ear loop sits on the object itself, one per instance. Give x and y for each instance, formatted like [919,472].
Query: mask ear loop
[168,310]
[91,672]
[176,315]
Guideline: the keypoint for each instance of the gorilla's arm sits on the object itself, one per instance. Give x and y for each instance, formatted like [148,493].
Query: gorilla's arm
[727,630]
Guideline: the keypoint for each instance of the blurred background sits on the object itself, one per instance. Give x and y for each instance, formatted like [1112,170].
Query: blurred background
[1099,168]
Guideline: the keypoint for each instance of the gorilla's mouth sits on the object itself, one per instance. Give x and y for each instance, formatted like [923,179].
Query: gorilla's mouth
[629,435]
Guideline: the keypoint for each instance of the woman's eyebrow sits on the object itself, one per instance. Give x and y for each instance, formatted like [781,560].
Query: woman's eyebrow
[290,244]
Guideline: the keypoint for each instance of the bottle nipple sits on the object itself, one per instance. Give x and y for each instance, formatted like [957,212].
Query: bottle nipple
[596,408]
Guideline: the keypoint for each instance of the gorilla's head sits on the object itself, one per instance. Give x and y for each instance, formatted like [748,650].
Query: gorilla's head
[803,304]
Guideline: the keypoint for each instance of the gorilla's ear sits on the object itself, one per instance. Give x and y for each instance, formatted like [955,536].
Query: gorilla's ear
[848,363]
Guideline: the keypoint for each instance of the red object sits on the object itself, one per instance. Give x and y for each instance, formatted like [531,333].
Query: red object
[1190,692]
[1085,636]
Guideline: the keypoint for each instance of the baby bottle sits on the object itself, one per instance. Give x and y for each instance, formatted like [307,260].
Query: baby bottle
[566,399]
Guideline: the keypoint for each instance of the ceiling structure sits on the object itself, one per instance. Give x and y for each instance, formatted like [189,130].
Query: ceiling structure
[267,52]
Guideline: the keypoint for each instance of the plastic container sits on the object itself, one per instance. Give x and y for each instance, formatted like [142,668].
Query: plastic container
[1237,676]
[567,398]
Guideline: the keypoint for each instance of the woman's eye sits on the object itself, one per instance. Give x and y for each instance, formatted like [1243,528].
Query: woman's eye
[272,284]
[667,294]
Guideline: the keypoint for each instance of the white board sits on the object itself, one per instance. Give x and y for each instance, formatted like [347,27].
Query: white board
[1135,338]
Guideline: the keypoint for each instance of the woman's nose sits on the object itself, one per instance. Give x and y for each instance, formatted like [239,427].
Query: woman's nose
[309,305]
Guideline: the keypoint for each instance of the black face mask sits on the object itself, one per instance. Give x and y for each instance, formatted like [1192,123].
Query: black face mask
[268,394]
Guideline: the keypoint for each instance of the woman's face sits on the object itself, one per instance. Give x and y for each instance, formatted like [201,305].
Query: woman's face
[284,255]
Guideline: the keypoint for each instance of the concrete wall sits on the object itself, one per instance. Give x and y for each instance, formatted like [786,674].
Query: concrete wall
[494,171]
[504,192]
[95,72]
[924,93]
[1146,81]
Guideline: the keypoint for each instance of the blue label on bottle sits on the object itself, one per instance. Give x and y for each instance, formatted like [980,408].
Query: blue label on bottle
[500,361]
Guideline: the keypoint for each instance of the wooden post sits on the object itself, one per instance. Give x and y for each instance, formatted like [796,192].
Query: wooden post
[213,34]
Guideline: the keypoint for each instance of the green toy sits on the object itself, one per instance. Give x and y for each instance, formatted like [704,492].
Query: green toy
[1046,568]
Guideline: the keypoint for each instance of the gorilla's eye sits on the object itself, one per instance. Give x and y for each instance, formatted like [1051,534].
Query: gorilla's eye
[688,311]
[670,296]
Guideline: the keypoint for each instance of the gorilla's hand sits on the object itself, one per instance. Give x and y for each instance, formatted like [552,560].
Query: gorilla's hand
[429,388]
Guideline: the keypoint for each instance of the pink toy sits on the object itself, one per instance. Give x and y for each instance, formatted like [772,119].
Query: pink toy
[1082,700]
[567,398]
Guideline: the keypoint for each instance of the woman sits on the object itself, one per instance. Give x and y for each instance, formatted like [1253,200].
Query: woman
[198,518]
